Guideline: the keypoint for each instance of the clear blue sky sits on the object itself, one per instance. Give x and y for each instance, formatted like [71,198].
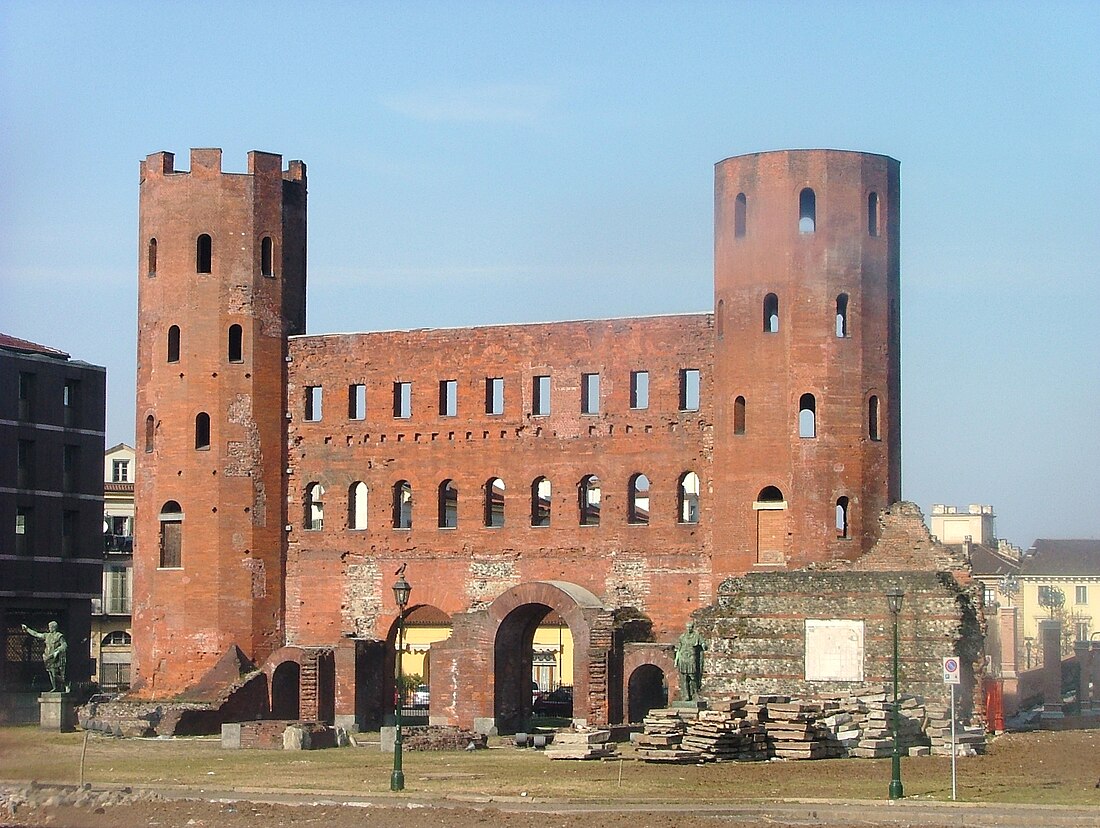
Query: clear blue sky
[499,162]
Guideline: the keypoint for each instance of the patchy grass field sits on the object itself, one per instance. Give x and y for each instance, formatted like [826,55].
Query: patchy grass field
[1039,768]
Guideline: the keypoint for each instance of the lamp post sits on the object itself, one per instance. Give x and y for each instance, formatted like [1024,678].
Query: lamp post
[894,596]
[401,591]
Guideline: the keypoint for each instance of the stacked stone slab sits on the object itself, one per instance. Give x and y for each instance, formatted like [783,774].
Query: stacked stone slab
[662,736]
[795,732]
[581,744]
[872,710]
[727,733]
[969,741]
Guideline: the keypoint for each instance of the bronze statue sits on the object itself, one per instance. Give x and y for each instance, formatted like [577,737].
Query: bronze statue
[53,656]
[689,661]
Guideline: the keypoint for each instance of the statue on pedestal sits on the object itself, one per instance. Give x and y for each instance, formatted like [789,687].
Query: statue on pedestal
[54,655]
[689,661]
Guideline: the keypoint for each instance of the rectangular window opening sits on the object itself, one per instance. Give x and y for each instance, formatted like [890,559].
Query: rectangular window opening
[540,396]
[357,402]
[448,398]
[689,389]
[639,390]
[590,393]
[402,400]
[313,403]
[494,395]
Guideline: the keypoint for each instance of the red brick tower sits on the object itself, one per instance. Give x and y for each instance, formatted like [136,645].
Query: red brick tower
[222,277]
[807,355]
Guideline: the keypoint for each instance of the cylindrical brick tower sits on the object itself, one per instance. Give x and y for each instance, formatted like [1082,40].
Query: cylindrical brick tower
[807,446]
[222,279]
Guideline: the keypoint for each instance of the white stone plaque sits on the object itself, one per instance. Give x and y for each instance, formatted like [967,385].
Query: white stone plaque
[834,650]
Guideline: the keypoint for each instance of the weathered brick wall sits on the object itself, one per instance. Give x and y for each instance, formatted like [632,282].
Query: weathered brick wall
[757,633]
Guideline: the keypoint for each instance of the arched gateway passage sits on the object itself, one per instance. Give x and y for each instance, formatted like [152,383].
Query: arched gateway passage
[646,690]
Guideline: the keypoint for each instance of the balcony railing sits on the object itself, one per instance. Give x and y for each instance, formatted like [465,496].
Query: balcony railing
[118,544]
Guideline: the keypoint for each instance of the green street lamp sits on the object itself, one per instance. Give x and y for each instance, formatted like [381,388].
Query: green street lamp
[894,596]
[401,591]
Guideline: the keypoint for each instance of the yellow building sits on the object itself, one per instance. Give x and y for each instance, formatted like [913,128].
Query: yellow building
[1060,579]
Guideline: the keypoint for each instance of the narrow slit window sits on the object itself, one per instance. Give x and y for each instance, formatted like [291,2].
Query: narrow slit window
[402,400]
[151,265]
[872,214]
[448,398]
[740,209]
[236,343]
[807,211]
[494,502]
[266,265]
[771,313]
[357,401]
[202,430]
[402,505]
[590,393]
[174,343]
[739,416]
[638,500]
[448,505]
[688,497]
[150,430]
[313,403]
[639,390]
[842,316]
[689,389]
[357,505]
[203,255]
[720,318]
[70,399]
[872,418]
[540,396]
[540,502]
[842,530]
[807,416]
[494,395]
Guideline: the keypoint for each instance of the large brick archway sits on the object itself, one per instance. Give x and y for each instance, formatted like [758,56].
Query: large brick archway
[488,657]
[302,683]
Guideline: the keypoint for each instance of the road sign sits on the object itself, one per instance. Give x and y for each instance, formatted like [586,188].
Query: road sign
[951,670]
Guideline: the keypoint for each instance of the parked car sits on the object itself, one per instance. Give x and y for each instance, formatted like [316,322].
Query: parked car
[555,703]
[421,696]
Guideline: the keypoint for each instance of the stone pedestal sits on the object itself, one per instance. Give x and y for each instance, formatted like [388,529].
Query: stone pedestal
[1050,638]
[56,711]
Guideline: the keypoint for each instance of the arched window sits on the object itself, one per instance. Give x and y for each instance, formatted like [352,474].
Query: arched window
[357,505]
[872,417]
[687,495]
[265,257]
[202,254]
[448,505]
[770,494]
[174,343]
[314,507]
[807,416]
[588,495]
[771,313]
[235,343]
[402,505]
[540,501]
[171,535]
[117,638]
[739,415]
[152,258]
[720,318]
[637,497]
[807,211]
[842,530]
[740,208]
[202,430]
[872,214]
[842,315]
[494,502]
[150,430]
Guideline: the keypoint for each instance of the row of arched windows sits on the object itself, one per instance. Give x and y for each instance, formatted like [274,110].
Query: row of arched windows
[589,500]
[234,344]
[204,255]
[771,315]
[807,213]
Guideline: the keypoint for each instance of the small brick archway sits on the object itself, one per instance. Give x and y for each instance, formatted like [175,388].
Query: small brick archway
[302,682]
[489,657]
[645,665]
